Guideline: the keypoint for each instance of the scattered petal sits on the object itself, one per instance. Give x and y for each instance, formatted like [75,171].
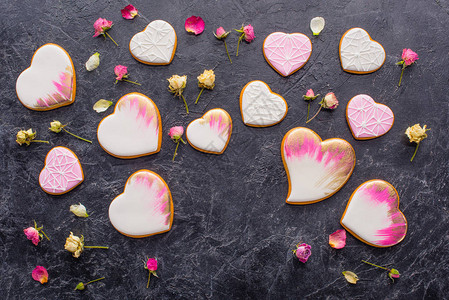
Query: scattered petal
[79,210]
[40,274]
[337,240]
[317,25]
[129,12]
[102,105]
[194,25]
[93,62]
[350,277]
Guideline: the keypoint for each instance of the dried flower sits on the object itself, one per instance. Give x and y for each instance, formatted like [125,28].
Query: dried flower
[40,274]
[303,252]
[93,62]
[408,58]
[392,273]
[221,34]
[79,210]
[176,85]
[350,277]
[194,25]
[176,135]
[122,74]
[309,97]
[329,101]
[206,81]
[75,245]
[247,34]
[81,286]
[101,26]
[151,266]
[27,137]
[337,240]
[57,127]
[35,234]
[317,25]
[416,134]
[102,105]
[129,12]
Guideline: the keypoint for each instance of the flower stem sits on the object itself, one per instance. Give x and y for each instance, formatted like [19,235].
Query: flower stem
[226,46]
[308,110]
[182,141]
[176,151]
[198,98]
[44,234]
[416,149]
[40,141]
[374,265]
[402,73]
[98,279]
[97,247]
[238,44]
[111,38]
[185,103]
[131,81]
[149,276]
[315,114]
[76,135]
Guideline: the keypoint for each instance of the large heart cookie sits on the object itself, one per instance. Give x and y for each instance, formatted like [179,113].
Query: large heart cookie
[145,208]
[287,53]
[261,107]
[49,82]
[315,169]
[368,119]
[155,45]
[62,171]
[133,130]
[359,54]
[210,133]
[372,214]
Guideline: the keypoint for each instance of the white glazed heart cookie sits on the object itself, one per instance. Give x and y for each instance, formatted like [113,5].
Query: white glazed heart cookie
[133,129]
[260,107]
[210,133]
[155,45]
[49,82]
[145,208]
[359,54]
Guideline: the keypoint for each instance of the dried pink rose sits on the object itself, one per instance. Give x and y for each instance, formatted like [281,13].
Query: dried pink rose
[194,25]
[129,12]
[247,34]
[175,134]
[303,252]
[329,101]
[151,266]
[392,273]
[40,274]
[122,74]
[408,58]
[337,240]
[309,97]
[221,34]
[310,93]
[101,26]
[35,234]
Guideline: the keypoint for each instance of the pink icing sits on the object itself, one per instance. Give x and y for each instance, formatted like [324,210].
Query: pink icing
[287,53]
[219,125]
[368,119]
[62,171]
[63,94]
[142,111]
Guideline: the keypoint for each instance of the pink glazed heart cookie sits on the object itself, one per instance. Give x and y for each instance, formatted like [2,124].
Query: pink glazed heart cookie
[287,53]
[368,119]
[372,214]
[62,171]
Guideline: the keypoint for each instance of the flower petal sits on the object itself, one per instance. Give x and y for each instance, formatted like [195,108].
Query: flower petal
[317,25]
[93,62]
[337,240]
[129,12]
[40,274]
[194,24]
[350,277]
[102,105]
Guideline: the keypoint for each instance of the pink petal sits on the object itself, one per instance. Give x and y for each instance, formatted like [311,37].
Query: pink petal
[337,240]
[195,25]
[129,12]
[40,274]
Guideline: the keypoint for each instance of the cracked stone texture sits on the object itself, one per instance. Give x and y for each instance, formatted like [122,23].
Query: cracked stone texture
[233,233]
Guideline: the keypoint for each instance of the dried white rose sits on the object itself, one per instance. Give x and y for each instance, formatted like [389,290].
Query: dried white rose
[317,25]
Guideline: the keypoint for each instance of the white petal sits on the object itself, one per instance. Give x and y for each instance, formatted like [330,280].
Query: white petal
[102,105]
[79,210]
[93,62]
[317,25]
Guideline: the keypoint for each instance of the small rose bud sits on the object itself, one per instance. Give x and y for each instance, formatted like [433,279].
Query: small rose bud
[310,93]
[177,84]
[80,286]
[248,31]
[93,62]
[330,101]
[303,252]
[176,133]
[207,79]
[393,274]
[27,137]
[32,234]
[79,210]
[121,72]
[409,57]
[56,126]
[40,274]
[74,245]
[221,33]
[151,264]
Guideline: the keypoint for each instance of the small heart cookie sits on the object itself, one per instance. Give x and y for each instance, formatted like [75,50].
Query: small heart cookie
[372,214]
[260,107]
[359,54]
[62,171]
[133,129]
[210,133]
[368,119]
[145,208]
[287,53]
[315,169]
[155,45]
[49,82]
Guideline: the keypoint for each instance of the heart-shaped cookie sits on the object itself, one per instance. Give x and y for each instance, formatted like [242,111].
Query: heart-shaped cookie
[145,208]
[368,119]
[287,53]
[133,129]
[359,54]
[155,45]
[62,171]
[260,107]
[315,169]
[372,214]
[49,82]
[210,133]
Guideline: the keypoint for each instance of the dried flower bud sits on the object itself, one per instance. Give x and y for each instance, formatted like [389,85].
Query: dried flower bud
[416,133]
[329,101]
[33,235]
[177,84]
[303,252]
[75,245]
[56,126]
[221,34]
[393,274]
[207,79]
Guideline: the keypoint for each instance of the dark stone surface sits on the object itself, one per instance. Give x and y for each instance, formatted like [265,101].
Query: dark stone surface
[233,233]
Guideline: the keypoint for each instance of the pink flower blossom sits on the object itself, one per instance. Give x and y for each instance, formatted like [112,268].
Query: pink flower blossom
[176,132]
[152,264]
[221,33]
[409,57]
[310,93]
[337,240]
[303,252]
[121,72]
[101,25]
[32,234]
[194,25]
[248,31]
[330,101]
[129,12]
[40,274]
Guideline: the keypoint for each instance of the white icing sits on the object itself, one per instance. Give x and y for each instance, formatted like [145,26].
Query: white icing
[155,44]
[37,81]
[359,53]
[260,106]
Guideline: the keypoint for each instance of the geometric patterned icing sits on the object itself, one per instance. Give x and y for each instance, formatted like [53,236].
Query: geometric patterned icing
[368,119]
[358,53]
[62,171]
[287,53]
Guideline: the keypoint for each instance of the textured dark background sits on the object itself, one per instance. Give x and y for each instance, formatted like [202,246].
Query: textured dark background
[232,234]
